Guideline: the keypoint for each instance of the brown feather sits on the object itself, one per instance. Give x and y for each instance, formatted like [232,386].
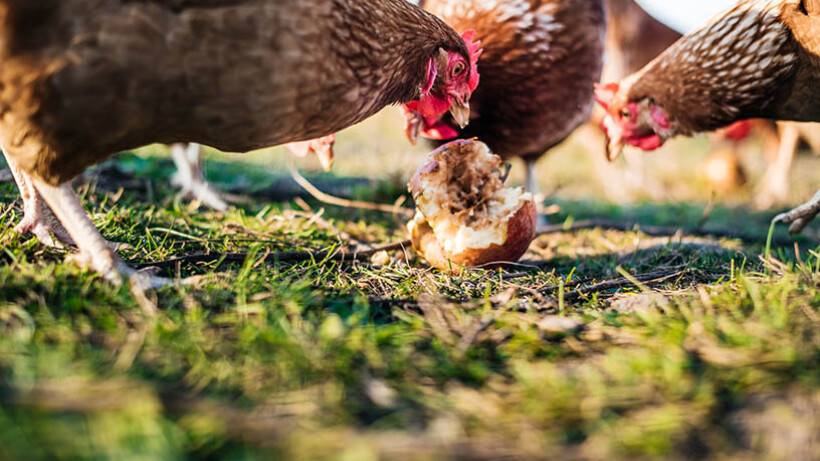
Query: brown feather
[541,59]
[82,79]
[761,59]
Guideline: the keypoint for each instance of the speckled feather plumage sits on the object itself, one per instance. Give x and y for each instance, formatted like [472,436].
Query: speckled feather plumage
[83,79]
[760,59]
[541,59]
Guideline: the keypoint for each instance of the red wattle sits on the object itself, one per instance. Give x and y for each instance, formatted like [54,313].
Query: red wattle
[651,142]
[440,132]
[432,107]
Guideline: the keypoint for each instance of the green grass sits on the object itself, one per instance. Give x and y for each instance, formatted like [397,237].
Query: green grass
[356,361]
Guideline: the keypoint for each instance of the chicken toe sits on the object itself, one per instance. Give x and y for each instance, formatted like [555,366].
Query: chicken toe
[38,219]
[40,222]
[322,147]
[801,216]
[190,178]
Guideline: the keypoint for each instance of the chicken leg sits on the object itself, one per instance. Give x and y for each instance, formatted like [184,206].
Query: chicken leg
[775,188]
[190,178]
[801,216]
[38,219]
[534,189]
[95,252]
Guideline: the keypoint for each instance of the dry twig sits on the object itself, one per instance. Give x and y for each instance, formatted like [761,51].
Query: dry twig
[282,257]
[346,203]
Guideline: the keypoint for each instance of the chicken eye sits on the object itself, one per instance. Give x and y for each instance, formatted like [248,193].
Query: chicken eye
[626,113]
[459,69]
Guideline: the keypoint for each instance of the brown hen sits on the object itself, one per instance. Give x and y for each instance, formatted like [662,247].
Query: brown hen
[540,61]
[83,79]
[759,59]
[634,39]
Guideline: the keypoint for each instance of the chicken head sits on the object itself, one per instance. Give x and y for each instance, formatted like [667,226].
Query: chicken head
[641,123]
[450,83]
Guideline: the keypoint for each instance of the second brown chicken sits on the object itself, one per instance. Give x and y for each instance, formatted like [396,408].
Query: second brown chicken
[540,62]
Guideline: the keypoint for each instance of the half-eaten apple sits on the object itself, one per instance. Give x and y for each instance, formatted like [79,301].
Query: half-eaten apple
[465,216]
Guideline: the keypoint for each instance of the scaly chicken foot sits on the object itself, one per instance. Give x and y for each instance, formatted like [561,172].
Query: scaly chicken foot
[95,253]
[190,178]
[801,216]
[38,220]
[775,185]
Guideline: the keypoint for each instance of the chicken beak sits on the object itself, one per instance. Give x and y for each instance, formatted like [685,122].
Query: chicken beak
[614,138]
[614,148]
[460,111]
[412,127]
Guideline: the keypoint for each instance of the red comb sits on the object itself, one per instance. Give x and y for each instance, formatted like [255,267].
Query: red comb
[475,50]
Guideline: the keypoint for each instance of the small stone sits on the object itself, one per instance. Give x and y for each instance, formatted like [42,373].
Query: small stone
[640,304]
[380,393]
[554,324]
[382,258]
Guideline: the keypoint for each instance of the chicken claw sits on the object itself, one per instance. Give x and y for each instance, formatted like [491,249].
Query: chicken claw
[190,178]
[322,147]
[38,219]
[801,216]
[94,252]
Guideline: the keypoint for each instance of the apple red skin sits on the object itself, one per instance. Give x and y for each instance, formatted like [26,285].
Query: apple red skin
[520,234]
